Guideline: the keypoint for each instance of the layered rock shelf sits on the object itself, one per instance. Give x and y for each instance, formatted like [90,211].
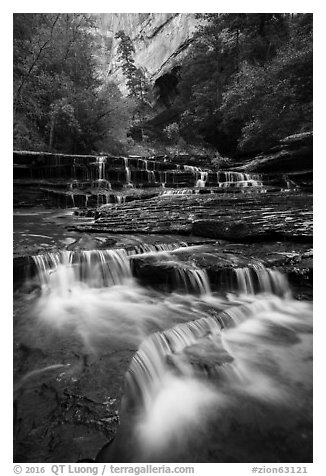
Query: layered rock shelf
[133,236]
[243,217]
[87,181]
[289,162]
[221,260]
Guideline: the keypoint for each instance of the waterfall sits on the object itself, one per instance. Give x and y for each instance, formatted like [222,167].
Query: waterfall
[150,173]
[184,378]
[163,178]
[100,181]
[196,171]
[127,169]
[203,179]
[257,279]
[96,268]
[238,180]
[204,359]
[101,171]
[71,194]
[192,280]
[109,267]
[192,169]
[215,359]
[100,162]
[148,366]
[150,362]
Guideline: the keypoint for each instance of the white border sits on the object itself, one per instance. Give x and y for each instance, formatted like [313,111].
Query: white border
[318,8]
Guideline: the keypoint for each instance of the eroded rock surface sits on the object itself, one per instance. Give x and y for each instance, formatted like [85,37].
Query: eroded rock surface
[242,217]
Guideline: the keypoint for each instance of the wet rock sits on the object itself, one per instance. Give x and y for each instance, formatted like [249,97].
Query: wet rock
[240,217]
[220,260]
[235,230]
[23,269]
[151,272]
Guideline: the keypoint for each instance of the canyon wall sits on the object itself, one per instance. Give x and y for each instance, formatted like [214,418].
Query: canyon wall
[160,41]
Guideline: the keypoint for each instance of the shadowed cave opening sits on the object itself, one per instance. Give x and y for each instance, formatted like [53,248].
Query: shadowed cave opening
[165,87]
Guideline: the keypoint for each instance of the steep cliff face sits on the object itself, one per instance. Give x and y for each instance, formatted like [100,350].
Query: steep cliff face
[160,40]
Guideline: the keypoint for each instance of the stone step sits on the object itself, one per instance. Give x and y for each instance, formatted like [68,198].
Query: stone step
[272,217]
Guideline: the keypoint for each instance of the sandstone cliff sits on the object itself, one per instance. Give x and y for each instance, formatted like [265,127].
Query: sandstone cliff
[160,41]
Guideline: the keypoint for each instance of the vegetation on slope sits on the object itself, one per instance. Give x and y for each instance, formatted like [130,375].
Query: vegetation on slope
[245,83]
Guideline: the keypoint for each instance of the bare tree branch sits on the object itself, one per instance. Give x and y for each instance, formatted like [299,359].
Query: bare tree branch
[25,78]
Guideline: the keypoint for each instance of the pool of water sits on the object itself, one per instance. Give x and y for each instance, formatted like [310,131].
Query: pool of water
[76,341]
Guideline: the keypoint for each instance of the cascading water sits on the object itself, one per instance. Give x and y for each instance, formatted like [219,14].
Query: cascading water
[71,194]
[216,370]
[189,380]
[101,167]
[238,180]
[203,179]
[128,173]
[192,280]
[192,169]
[257,279]
[163,178]
[150,173]
[195,171]
[213,369]
[100,181]
[119,199]
[96,268]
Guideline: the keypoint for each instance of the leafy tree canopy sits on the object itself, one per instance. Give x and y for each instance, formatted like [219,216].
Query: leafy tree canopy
[247,80]
[60,102]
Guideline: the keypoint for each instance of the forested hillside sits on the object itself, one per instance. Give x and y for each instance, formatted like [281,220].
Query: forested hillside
[60,101]
[245,83]
[248,81]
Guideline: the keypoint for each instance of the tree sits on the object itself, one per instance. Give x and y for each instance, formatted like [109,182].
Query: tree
[60,102]
[135,79]
[247,80]
[272,100]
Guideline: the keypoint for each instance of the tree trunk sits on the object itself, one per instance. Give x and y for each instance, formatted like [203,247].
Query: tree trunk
[218,83]
[52,132]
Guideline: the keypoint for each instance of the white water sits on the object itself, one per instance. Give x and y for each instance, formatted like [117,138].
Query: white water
[202,356]
[127,169]
[192,169]
[101,167]
[96,268]
[119,199]
[192,280]
[238,180]
[257,278]
[163,178]
[150,173]
[258,355]
[203,179]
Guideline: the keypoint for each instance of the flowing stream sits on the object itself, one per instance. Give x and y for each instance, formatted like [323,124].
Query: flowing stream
[206,361]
